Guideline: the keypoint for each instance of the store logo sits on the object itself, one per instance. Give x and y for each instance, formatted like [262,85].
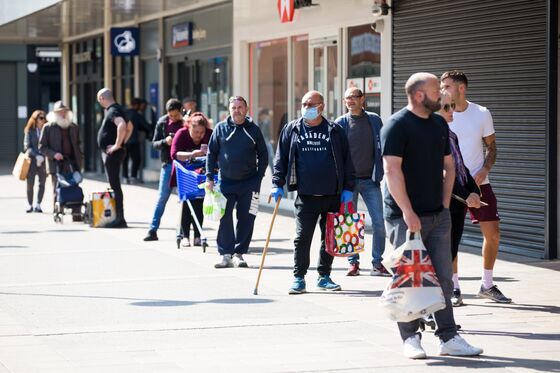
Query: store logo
[125,41]
[286,10]
[182,35]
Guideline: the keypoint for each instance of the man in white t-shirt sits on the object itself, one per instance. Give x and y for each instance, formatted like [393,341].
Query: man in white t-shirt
[473,125]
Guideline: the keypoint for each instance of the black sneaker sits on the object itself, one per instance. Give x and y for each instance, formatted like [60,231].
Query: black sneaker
[494,294]
[456,298]
[38,209]
[152,236]
[30,209]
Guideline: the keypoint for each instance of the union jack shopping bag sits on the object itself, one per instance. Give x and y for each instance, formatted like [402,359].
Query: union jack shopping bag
[345,232]
[414,290]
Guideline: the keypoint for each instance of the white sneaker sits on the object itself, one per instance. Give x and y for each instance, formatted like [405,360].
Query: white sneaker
[225,263]
[238,261]
[412,348]
[457,346]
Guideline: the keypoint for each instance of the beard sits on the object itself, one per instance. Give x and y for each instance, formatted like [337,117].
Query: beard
[430,105]
[63,121]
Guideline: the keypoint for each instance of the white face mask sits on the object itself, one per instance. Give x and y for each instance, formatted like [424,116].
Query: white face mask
[311,113]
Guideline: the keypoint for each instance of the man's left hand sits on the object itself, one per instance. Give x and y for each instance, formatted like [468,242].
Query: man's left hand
[346,196]
[480,176]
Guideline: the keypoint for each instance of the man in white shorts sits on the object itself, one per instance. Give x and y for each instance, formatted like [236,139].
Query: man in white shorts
[473,125]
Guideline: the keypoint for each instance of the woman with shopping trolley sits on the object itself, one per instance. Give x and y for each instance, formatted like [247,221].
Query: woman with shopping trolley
[190,143]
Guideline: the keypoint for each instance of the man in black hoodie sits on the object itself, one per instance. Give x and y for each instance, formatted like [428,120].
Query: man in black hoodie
[166,128]
[238,150]
[313,158]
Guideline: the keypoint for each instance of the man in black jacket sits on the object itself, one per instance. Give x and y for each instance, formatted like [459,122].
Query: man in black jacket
[313,158]
[238,150]
[166,128]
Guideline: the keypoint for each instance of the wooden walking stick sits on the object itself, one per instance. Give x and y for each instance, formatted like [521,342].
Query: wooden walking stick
[267,242]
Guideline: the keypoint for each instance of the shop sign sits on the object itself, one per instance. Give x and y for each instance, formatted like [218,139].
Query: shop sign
[355,83]
[82,57]
[286,10]
[125,41]
[373,84]
[182,35]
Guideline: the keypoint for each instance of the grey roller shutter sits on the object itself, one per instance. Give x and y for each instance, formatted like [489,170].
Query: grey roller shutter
[8,111]
[501,46]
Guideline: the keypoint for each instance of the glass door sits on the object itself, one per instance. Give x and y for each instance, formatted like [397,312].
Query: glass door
[326,79]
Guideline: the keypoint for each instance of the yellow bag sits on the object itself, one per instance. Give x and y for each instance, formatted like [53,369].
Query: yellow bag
[21,168]
[103,208]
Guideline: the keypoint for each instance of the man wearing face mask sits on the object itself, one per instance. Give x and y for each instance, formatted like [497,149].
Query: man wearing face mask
[313,158]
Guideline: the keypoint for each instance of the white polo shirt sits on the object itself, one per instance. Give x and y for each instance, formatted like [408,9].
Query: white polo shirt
[471,126]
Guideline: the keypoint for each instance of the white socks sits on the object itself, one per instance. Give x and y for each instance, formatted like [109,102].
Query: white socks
[487,278]
[456,281]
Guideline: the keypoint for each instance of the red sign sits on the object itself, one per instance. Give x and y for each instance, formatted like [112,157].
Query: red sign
[286,10]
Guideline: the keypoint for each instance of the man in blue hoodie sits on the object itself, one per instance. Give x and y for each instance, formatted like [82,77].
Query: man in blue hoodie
[313,157]
[238,150]
[363,130]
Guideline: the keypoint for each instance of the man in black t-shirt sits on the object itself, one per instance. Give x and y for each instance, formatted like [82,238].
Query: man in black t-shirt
[313,158]
[112,136]
[416,157]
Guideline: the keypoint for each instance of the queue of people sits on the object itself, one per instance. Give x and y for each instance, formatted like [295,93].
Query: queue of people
[422,171]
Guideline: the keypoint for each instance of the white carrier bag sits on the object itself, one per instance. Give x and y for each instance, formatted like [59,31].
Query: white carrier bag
[414,290]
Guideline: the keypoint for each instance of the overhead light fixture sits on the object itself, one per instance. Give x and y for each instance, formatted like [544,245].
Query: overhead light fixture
[380,8]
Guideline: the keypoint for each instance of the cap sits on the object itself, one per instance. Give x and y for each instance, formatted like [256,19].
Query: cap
[59,106]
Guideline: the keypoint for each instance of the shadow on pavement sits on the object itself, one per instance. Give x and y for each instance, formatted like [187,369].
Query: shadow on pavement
[486,361]
[523,307]
[150,302]
[45,231]
[534,336]
[498,279]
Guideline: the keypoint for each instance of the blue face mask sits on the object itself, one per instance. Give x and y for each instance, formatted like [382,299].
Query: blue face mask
[309,113]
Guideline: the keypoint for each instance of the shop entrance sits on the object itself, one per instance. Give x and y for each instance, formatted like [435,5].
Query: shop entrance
[323,54]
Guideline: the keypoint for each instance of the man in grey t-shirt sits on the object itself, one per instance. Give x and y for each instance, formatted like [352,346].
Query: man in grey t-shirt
[363,129]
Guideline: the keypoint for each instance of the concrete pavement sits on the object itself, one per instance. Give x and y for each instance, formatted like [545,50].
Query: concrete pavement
[76,299]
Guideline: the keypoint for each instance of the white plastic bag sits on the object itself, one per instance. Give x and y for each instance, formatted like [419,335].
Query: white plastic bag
[391,258]
[414,290]
[214,205]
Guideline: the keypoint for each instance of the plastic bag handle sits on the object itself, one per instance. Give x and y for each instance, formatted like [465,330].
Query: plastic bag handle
[413,235]
[350,208]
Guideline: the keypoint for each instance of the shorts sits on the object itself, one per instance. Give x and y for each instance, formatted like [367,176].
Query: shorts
[485,213]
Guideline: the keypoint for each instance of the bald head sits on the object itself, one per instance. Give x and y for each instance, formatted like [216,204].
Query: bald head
[315,96]
[417,81]
[105,97]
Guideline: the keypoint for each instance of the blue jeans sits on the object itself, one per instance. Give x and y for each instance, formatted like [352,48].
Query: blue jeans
[436,235]
[164,191]
[371,193]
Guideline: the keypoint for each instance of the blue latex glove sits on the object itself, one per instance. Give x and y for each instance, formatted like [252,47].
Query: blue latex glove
[346,196]
[277,193]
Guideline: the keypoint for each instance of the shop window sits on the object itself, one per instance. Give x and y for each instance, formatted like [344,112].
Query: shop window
[300,53]
[364,63]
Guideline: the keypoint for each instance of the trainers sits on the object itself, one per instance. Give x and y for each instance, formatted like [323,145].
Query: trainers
[379,270]
[152,236]
[457,346]
[412,348]
[225,263]
[29,209]
[238,261]
[298,286]
[325,283]
[354,270]
[38,209]
[186,242]
[494,294]
[197,241]
[456,298]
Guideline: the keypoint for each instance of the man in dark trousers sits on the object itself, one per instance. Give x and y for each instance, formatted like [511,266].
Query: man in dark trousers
[416,156]
[134,144]
[313,158]
[112,136]
[166,128]
[238,150]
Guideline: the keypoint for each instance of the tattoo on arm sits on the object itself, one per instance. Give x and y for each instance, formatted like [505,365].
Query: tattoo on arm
[491,153]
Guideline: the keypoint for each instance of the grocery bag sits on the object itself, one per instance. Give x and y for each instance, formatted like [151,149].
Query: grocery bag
[414,290]
[214,205]
[21,167]
[345,232]
[103,208]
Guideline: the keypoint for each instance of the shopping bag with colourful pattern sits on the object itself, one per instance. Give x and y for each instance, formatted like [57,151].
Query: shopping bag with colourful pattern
[345,232]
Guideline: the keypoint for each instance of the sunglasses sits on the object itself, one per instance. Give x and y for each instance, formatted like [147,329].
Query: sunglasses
[41,117]
[237,98]
[448,107]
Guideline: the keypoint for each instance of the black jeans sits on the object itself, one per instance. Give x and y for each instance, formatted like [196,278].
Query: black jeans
[307,210]
[133,153]
[457,227]
[187,218]
[113,163]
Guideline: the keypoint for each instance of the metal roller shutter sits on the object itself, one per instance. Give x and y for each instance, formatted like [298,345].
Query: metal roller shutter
[501,46]
[8,111]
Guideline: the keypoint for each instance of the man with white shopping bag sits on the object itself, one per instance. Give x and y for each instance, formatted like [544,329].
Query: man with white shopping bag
[416,155]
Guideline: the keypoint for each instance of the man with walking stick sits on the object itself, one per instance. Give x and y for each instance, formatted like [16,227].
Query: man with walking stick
[313,158]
